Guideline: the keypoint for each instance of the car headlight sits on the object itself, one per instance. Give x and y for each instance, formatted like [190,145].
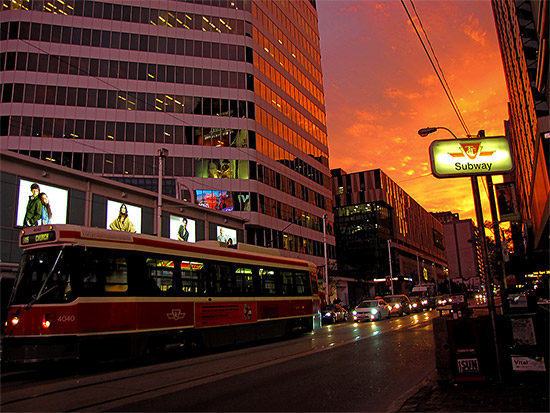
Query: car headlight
[396,305]
[374,311]
[327,314]
[415,305]
[354,312]
[425,302]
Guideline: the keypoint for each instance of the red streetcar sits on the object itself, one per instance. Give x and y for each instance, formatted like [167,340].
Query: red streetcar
[94,293]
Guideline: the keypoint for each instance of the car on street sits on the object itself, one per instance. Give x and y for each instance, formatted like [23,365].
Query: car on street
[399,303]
[443,300]
[371,310]
[332,313]
[418,303]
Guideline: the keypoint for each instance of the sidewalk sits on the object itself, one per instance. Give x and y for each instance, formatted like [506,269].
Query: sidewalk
[519,394]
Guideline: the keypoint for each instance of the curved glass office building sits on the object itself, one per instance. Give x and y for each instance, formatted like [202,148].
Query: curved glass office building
[231,92]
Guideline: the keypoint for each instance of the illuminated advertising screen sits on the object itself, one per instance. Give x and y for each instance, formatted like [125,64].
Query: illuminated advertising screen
[221,168]
[182,229]
[228,235]
[41,205]
[452,158]
[218,200]
[123,217]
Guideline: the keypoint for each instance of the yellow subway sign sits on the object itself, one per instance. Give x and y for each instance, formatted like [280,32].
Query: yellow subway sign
[452,158]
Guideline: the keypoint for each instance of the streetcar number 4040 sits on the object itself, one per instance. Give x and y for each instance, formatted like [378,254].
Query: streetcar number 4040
[468,366]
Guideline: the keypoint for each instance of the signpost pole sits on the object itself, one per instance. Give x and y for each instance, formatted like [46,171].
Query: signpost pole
[391,270]
[327,296]
[449,160]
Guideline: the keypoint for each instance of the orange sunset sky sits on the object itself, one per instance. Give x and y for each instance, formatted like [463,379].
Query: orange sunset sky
[380,88]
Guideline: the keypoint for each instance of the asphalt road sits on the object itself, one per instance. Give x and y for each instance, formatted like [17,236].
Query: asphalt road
[343,367]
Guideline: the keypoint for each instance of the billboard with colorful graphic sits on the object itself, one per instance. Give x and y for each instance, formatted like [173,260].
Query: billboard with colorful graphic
[218,200]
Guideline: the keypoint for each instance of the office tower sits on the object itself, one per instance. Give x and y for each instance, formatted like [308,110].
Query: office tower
[381,231]
[522,28]
[229,93]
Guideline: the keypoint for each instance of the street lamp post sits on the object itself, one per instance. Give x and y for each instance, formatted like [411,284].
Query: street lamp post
[479,217]
[327,297]
[391,268]
[162,153]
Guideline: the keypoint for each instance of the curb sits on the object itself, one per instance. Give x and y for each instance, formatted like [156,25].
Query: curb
[398,403]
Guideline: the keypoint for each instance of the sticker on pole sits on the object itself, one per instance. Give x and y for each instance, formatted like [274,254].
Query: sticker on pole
[452,158]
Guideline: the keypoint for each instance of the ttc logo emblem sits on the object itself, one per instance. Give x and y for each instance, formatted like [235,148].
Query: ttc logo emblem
[176,314]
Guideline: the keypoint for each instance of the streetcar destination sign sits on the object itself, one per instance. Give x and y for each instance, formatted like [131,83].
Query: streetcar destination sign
[452,158]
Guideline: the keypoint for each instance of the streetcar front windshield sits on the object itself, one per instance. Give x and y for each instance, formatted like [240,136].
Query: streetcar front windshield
[43,277]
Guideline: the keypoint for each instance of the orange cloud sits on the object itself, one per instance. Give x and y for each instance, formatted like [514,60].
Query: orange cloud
[472,30]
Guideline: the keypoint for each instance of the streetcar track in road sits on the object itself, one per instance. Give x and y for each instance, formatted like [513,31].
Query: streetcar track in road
[141,383]
[159,389]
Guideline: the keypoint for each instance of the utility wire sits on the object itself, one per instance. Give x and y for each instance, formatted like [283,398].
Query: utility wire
[438,71]
[437,68]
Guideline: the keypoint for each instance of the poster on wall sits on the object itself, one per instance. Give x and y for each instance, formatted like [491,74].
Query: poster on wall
[123,217]
[182,228]
[507,202]
[41,204]
[227,235]
[218,200]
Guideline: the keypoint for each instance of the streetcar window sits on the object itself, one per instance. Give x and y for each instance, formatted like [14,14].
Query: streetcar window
[116,279]
[288,283]
[161,275]
[302,281]
[192,278]
[93,280]
[267,282]
[44,277]
[244,281]
[220,282]
[313,283]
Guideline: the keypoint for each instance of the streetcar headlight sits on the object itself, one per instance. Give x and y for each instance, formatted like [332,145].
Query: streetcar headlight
[14,321]
[45,321]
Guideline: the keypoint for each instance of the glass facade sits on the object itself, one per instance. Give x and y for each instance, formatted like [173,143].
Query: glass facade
[233,90]
[372,211]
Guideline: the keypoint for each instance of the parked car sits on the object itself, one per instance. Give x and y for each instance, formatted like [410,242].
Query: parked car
[332,313]
[399,303]
[370,310]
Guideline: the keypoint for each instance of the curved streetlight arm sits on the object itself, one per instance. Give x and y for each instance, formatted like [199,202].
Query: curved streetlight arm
[426,131]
